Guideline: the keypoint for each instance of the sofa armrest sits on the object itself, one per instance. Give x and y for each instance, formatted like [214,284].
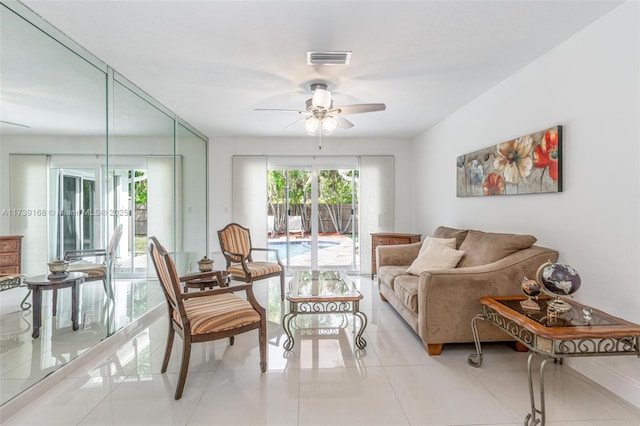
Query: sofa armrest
[448,299]
[397,255]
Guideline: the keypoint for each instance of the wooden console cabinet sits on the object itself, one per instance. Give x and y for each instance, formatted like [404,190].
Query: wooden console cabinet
[10,254]
[10,260]
[386,239]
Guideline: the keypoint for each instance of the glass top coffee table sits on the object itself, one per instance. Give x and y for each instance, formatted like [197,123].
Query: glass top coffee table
[323,292]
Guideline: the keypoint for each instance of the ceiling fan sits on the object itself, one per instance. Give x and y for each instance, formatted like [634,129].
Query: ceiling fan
[321,117]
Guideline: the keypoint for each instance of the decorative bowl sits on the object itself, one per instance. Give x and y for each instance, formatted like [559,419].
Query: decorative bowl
[58,265]
[205,264]
[58,269]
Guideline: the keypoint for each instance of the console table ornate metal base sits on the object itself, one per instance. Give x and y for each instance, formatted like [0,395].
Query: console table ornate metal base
[570,336]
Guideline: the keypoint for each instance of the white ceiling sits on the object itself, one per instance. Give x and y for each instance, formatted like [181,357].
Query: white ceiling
[213,62]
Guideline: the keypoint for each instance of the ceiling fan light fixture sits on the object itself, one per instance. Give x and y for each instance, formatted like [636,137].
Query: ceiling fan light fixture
[321,99]
[311,125]
[329,125]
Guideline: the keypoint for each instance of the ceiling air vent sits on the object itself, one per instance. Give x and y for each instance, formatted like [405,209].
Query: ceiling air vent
[328,58]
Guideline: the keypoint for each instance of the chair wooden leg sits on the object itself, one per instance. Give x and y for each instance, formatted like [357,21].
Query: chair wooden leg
[262,341]
[184,366]
[167,351]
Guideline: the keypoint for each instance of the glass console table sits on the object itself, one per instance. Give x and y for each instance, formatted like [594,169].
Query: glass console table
[580,332]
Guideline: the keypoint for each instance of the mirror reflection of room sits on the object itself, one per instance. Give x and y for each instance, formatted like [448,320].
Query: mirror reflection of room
[83,153]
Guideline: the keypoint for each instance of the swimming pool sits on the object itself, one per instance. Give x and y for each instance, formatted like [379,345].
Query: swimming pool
[298,247]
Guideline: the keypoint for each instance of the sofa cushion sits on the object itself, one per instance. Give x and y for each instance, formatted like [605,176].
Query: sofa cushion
[435,256]
[482,248]
[406,288]
[445,232]
[388,274]
[448,242]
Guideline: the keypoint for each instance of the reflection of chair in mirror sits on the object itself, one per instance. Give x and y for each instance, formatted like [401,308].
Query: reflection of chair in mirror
[235,242]
[95,270]
[205,315]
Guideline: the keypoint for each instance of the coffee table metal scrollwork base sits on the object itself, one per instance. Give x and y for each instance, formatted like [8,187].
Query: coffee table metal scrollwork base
[323,307]
[323,292]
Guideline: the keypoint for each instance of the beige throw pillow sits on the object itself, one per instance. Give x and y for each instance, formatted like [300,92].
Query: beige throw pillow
[435,256]
[447,242]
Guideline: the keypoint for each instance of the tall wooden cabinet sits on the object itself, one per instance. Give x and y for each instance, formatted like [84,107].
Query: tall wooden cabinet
[386,239]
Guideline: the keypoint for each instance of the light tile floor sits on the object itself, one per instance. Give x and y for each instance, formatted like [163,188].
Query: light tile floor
[324,380]
[25,361]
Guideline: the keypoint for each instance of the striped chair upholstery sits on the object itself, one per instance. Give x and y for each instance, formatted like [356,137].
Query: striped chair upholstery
[206,315]
[235,242]
[223,312]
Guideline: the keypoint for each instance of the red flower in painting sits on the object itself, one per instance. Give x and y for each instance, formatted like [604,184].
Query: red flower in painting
[546,154]
[493,185]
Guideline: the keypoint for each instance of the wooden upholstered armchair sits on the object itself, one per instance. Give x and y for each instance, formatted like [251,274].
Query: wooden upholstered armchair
[235,242]
[101,259]
[205,315]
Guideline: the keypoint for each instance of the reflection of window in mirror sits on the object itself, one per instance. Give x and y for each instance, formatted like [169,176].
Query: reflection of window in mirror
[77,225]
[56,157]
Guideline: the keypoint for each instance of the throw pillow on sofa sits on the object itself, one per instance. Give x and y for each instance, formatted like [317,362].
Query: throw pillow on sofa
[482,248]
[447,242]
[446,232]
[435,256]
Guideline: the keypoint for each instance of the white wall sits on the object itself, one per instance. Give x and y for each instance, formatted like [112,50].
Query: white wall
[591,85]
[222,149]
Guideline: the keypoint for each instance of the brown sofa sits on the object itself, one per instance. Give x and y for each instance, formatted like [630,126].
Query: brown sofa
[439,304]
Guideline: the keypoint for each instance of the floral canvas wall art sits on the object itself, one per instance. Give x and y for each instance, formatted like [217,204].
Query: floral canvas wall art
[525,165]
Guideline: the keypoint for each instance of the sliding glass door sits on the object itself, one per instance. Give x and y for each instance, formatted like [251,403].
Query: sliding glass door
[312,215]
[288,221]
[337,218]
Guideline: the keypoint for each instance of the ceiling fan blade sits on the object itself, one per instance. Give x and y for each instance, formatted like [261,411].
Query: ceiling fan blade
[342,122]
[359,108]
[295,122]
[15,124]
[280,110]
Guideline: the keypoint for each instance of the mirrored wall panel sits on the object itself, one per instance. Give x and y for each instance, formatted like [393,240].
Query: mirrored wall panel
[90,167]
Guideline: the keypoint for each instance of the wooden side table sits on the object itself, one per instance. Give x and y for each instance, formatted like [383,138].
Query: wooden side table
[388,238]
[221,279]
[40,283]
[568,335]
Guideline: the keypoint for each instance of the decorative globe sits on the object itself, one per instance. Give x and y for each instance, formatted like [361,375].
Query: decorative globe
[558,280]
[530,288]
